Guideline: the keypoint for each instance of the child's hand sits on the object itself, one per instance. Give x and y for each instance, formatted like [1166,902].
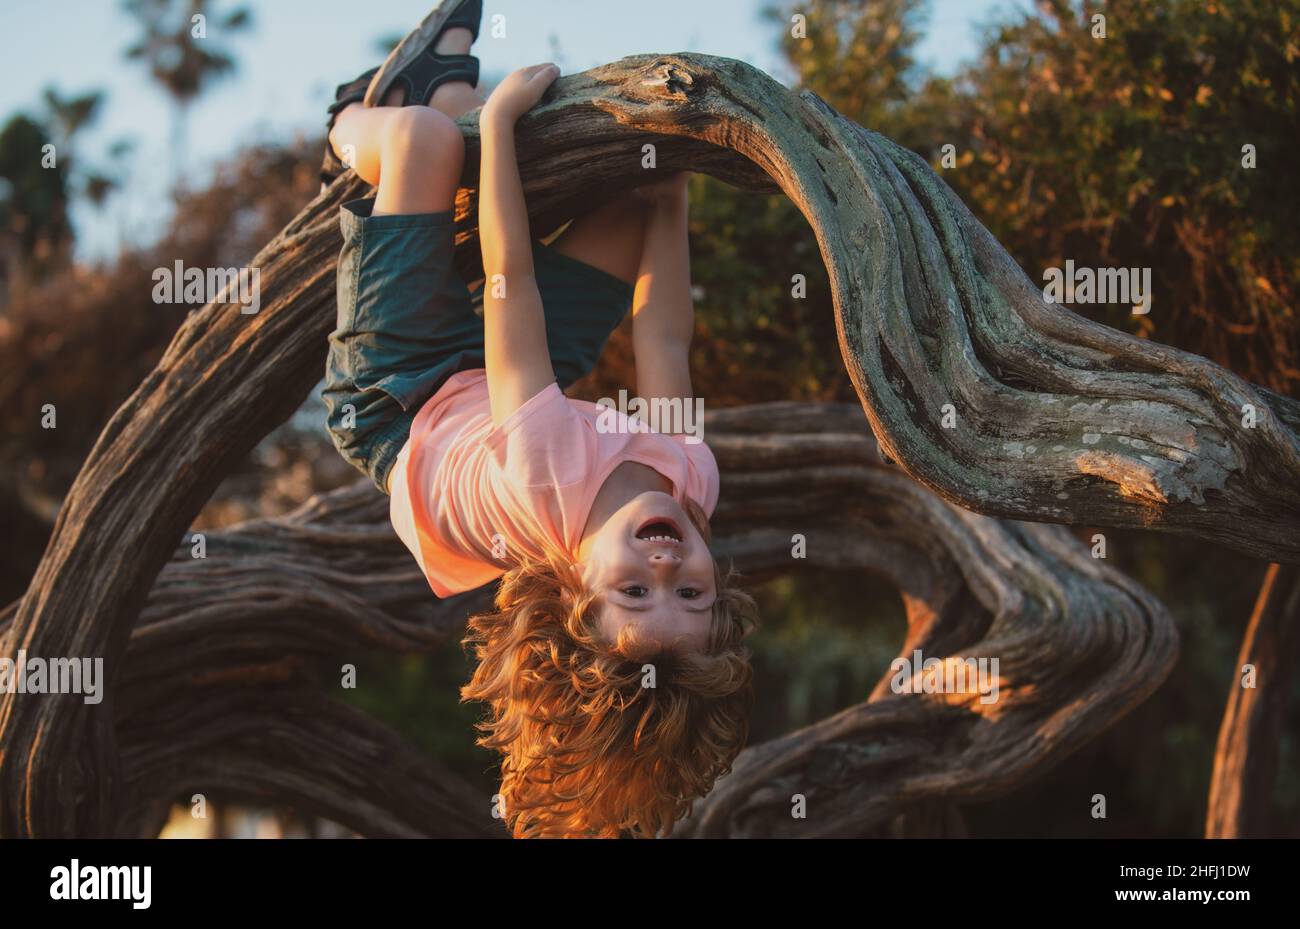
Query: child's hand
[519,93]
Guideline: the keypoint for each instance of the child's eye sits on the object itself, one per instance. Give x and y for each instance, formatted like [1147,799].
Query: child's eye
[635,590]
[690,593]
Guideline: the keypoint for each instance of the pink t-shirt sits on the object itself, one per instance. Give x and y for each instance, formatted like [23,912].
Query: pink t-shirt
[470,499]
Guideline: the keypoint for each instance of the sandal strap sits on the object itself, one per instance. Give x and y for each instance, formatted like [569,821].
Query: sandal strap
[429,72]
[467,17]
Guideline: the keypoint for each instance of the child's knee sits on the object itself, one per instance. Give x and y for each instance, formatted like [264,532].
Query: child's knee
[421,132]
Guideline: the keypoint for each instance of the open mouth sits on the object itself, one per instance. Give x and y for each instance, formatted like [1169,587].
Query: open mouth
[660,530]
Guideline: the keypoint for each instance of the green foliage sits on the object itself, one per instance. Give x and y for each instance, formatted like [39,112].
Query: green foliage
[178,60]
[68,116]
[1127,151]
[418,695]
[89,335]
[1123,151]
[826,639]
[35,234]
[856,55]
[754,341]
[182,58]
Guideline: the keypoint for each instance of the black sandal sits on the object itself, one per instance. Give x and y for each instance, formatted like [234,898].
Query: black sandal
[345,95]
[415,67]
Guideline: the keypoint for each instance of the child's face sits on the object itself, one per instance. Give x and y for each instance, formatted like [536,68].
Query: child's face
[649,566]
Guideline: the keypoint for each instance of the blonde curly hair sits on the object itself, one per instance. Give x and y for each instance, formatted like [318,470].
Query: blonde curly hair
[589,747]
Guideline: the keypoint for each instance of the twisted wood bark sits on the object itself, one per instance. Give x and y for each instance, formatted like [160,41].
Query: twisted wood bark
[1245,758]
[1057,418]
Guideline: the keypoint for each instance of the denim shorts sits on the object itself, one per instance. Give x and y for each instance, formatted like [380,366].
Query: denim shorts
[407,322]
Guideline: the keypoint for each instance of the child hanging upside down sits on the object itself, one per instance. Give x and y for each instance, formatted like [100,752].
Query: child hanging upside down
[612,665]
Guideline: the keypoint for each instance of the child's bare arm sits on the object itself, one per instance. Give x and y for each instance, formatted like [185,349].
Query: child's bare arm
[663,315]
[518,362]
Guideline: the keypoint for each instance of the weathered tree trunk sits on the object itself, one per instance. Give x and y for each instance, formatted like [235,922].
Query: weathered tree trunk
[1245,759]
[1058,418]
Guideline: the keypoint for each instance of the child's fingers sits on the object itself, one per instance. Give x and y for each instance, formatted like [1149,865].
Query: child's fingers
[544,74]
[524,87]
[526,74]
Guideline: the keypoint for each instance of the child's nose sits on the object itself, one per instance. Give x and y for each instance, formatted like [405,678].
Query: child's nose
[664,559]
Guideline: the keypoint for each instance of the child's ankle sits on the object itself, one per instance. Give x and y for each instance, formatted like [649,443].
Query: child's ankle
[455,99]
[455,41]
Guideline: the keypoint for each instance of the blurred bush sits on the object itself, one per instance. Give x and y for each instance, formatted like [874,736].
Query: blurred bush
[1123,151]
[83,339]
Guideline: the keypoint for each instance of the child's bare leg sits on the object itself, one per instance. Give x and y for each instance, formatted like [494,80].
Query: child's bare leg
[372,138]
[421,155]
[355,138]
[413,154]
[613,236]
[609,237]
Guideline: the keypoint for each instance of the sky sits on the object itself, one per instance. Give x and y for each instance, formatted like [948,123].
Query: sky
[297,51]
